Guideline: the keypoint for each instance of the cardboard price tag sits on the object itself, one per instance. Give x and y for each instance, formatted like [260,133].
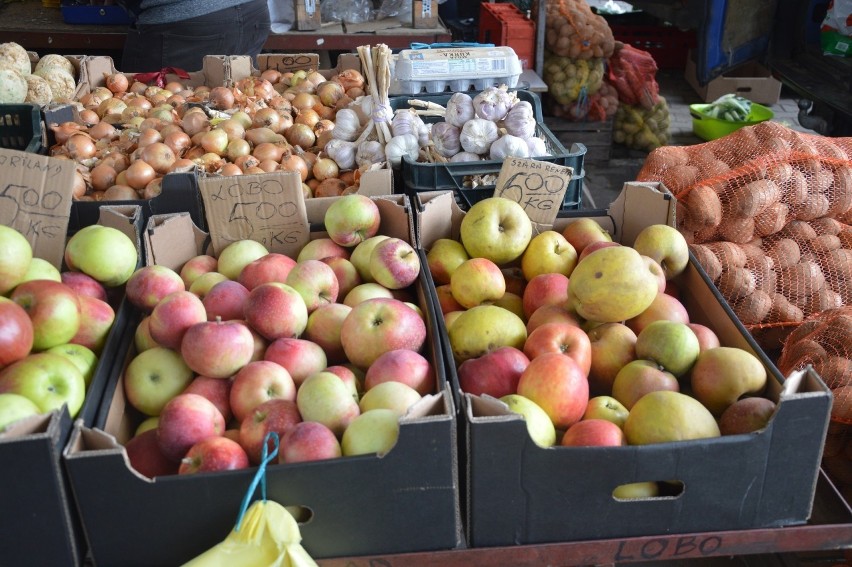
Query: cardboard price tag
[35,199]
[538,186]
[268,208]
[289,62]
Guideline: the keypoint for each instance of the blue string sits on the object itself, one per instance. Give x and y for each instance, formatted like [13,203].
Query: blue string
[259,476]
[418,45]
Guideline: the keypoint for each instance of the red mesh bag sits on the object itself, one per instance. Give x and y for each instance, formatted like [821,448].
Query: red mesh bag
[824,341]
[766,210]
[633,74]
[575,31]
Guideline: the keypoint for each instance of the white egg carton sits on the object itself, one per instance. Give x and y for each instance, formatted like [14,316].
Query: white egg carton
[454,69]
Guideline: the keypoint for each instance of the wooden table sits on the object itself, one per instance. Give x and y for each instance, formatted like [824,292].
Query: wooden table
[43,30]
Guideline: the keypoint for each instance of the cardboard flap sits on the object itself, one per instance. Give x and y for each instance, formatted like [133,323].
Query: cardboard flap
[170,240]
[237,67]
[268,208]
[26,427]
[644,201]
[439,217]
[538,186]
[35,199]
[124,218]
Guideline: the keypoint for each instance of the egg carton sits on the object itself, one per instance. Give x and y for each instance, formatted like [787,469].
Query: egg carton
[454,69]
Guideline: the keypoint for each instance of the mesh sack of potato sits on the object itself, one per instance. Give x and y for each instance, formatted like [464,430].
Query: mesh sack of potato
[598,107]
[571,79]
[641,128]
[769,208]
[574,30]
[824,341]
[633,73]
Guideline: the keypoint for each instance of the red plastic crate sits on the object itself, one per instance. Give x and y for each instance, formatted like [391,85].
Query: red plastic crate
[506,24]
[667,45]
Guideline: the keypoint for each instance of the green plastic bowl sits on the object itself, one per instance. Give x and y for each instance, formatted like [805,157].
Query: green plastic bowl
[708,128]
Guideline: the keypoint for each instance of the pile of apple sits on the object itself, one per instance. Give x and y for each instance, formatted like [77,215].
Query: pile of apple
[586,337]
[322,349]
[54,325]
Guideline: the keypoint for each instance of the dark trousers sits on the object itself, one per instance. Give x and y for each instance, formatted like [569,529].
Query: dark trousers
[238,30]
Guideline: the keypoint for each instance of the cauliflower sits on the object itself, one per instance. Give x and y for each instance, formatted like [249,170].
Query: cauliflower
[13,87]
[61,82]
[13,56]
[38,90]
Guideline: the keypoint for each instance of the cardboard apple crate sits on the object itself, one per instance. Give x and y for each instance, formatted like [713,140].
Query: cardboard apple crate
[519,493]
[406,500]
[38,519]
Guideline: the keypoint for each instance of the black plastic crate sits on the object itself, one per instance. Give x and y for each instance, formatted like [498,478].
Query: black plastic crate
[419,177]
[20,127]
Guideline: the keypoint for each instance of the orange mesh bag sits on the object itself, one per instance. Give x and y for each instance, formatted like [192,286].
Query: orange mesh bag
[633,74]
[764,210]
[824,341]
[573,30]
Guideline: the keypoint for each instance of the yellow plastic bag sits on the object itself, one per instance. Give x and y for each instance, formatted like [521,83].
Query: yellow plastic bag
[265,534]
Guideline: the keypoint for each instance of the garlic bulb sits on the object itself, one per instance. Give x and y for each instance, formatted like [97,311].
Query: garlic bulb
[445,138]
[520,120]
[509,146]
[346,125]
[363,107]
[402,145]
[477,135]
[342,152]
[409,122]
[369,152]
[494,103]
[464,156]
[459,109]
[537,147]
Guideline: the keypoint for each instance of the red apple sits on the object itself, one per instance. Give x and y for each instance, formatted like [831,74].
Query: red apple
[315,281]
[707,338]
[545,289]
[53,309]
[16,332]
[402,365]
[308,441]
[583,231]
[476,282]
[593,433]
[641,377]
[613,346]
[217,390]
[496,373]
[746,415]
[557,384]
[346,273]
[446,300]
[96,319]
[276,310]
[352,219]
[146,457]
[657,270]
[195,267]
[149,284]
[84,284]
[376,326]
[185,420]
[563,338]
[300,357]
[551,314]
[323,328]
[214,454]
[276,415]
[597,245]
[394,263]
[226,300]
[321,248]
[258,382]
[173,315]
[664,307]
[217,348]
[272,267]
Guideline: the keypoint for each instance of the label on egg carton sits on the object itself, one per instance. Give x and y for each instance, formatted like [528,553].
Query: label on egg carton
[454,69]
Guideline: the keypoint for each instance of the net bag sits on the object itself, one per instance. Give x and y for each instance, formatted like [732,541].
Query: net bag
[573,30]
[633,73]
[598,107]
[766,210]
[641,128]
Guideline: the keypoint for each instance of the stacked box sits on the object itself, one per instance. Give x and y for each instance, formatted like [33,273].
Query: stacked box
[505,24]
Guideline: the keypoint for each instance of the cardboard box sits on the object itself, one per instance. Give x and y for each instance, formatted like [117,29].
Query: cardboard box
[38,518]
[406,500]
[519,493]
[750,80]
[307,14]
[424,14]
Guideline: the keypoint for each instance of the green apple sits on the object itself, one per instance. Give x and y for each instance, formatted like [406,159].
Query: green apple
[636,490]
[539,426]
[323,397]
[485,328]
[666,245]
[374,431]
[205,282]
[548,252]
[665,416]
[496,228]
[671,344]
[42,270]
[48,380]
[722,375]
[237,255]
[608,408]
[352,219]
[14,407]
[361,255]
[148,423]
[153,378]
[15,257]
[83,358]
[104,253]
[391,395]
[443,257]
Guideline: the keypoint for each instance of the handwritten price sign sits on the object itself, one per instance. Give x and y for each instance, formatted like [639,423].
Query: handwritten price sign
[267,208]
[538,186]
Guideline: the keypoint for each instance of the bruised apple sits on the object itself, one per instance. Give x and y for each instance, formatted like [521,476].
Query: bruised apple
[495,373]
